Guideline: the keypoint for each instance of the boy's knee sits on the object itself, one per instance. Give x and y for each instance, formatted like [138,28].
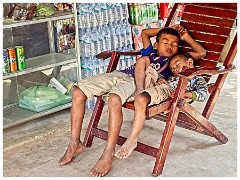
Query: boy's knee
[142,100]
[78,94]
[114,100]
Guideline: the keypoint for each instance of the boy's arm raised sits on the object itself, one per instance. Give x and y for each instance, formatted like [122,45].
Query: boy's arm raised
[198,51]
[147,34]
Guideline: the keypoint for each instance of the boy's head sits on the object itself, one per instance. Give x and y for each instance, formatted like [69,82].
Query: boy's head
[178,61]
[167,42]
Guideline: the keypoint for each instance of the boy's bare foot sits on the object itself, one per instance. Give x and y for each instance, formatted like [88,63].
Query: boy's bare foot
[103,165]
[71,151]
[126,149]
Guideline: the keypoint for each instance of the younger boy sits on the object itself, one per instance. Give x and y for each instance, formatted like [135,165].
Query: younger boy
[166,45]
[196,90]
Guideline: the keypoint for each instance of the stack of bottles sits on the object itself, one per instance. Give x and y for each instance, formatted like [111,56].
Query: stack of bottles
[142,13]
[103,27]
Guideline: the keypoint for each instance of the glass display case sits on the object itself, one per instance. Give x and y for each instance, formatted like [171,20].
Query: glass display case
[39,37]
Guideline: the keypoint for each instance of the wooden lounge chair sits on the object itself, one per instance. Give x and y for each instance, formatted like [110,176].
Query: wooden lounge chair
[211,24]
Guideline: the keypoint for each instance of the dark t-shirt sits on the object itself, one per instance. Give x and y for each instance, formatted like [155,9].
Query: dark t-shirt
[156,62]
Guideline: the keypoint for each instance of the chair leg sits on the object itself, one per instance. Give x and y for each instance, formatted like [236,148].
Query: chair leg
[165,142]
[203,122]
[93,121]
[169,128]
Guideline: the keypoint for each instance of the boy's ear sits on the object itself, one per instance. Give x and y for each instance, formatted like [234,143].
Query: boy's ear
[155,45]
[190,62]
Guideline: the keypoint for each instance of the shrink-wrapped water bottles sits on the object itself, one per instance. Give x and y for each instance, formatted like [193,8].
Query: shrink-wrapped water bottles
[103,27]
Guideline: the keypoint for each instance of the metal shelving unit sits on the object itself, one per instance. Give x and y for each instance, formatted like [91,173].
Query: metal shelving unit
[14,115]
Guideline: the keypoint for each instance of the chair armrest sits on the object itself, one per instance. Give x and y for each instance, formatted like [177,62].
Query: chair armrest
[107,54]
[190,73]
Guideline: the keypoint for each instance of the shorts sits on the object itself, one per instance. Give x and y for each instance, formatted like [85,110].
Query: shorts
[103,84]
[158,93]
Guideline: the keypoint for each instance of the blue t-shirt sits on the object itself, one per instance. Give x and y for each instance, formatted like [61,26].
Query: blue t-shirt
[156,62]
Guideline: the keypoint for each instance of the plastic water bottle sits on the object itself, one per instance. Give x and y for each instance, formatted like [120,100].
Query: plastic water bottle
[104,10]
[118,34]
[125,10]
[98,14]
[123,34]
[120,11]
[128,32]
[111,12]
[102,41]
[107,37]
[89,66]
[96,43]
[81,11]
[87,44]
[114,38]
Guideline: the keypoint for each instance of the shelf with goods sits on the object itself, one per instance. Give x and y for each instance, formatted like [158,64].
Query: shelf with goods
[44,60]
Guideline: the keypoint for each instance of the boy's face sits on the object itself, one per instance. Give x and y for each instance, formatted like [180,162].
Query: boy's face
[177,63]
[167,45]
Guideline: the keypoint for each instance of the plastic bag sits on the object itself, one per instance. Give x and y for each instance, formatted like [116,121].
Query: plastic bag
[40,97]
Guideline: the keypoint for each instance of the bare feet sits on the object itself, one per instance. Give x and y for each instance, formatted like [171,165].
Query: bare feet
[103,165]
[71,151]
[126,149]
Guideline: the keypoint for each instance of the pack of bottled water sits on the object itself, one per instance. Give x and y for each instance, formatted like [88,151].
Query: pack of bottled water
[103,27]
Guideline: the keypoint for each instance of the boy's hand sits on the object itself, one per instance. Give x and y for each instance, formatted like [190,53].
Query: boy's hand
[161,81]
[183,33]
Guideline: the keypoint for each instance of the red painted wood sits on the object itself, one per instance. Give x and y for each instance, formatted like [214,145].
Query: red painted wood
[206,45]
[210,11]
[206,28]
[211,20]
[208,37]
[142,148]
[203,122]
[169,128]
[220,80]
[93,122]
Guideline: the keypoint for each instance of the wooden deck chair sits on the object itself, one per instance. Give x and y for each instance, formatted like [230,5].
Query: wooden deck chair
[209,24]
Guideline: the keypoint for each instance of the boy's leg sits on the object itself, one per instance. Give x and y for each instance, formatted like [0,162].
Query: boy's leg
[140,104]
[140,68]
[86,88]
[124,87]
[77,113]
[114,125]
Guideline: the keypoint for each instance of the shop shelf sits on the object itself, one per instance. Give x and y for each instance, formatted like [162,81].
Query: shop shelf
[43,62]
[14,115]
[57,15]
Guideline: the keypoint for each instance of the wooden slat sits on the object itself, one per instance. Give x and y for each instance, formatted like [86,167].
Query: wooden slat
[210,55]
[208,37]
[142,148]
[232,6]
[205,28]
[207,46]
[205,63]
[210,11]
[208,20]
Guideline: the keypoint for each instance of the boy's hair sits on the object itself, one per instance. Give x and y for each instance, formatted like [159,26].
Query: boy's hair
[167,30]
[184,55]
